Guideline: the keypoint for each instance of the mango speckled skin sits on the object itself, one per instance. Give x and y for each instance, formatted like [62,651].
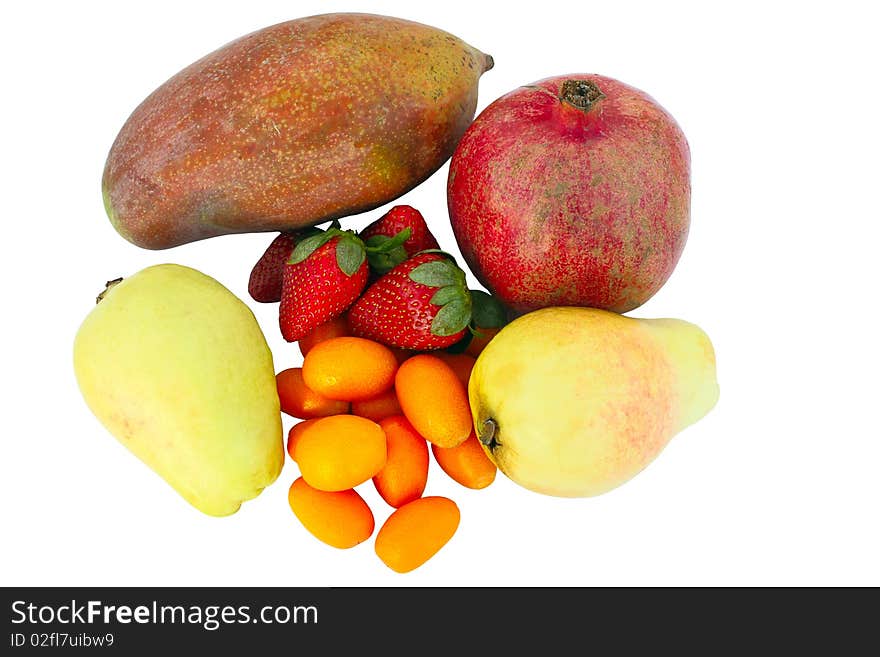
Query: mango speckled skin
[552,204]
[290,126]
[573,402]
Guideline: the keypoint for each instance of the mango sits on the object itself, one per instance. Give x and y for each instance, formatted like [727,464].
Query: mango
[175,366]
[290,126]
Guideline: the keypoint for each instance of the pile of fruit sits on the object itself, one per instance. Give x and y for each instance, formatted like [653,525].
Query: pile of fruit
[569,199]
[374,315]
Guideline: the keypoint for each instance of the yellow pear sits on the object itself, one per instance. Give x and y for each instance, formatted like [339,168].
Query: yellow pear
[573,402]
[176,367]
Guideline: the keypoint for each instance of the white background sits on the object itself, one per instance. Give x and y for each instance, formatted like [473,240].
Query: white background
[777,486]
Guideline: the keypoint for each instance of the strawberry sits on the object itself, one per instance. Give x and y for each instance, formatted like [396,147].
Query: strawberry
[423,304]
[398,219]
[488,315]
[264,285]
[325,273]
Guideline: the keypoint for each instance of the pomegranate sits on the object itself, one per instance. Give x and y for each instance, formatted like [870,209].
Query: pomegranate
[571,191]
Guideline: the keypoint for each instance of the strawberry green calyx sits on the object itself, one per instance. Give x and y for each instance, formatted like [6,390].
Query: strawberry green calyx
[488,312]
[351,251]
[452,295]
[350,254]
[385,253]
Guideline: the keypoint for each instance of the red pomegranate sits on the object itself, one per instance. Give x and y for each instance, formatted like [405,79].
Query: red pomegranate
[573,190]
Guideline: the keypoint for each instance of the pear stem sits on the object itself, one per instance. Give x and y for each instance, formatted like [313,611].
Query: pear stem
[487,435]
[107,287]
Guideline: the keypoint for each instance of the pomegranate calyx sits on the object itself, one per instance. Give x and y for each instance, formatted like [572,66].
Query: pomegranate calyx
[582,94]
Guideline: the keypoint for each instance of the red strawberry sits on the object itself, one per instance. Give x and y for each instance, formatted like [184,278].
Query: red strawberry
[423,303]
[392,223]
[325,274]
[265,281]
